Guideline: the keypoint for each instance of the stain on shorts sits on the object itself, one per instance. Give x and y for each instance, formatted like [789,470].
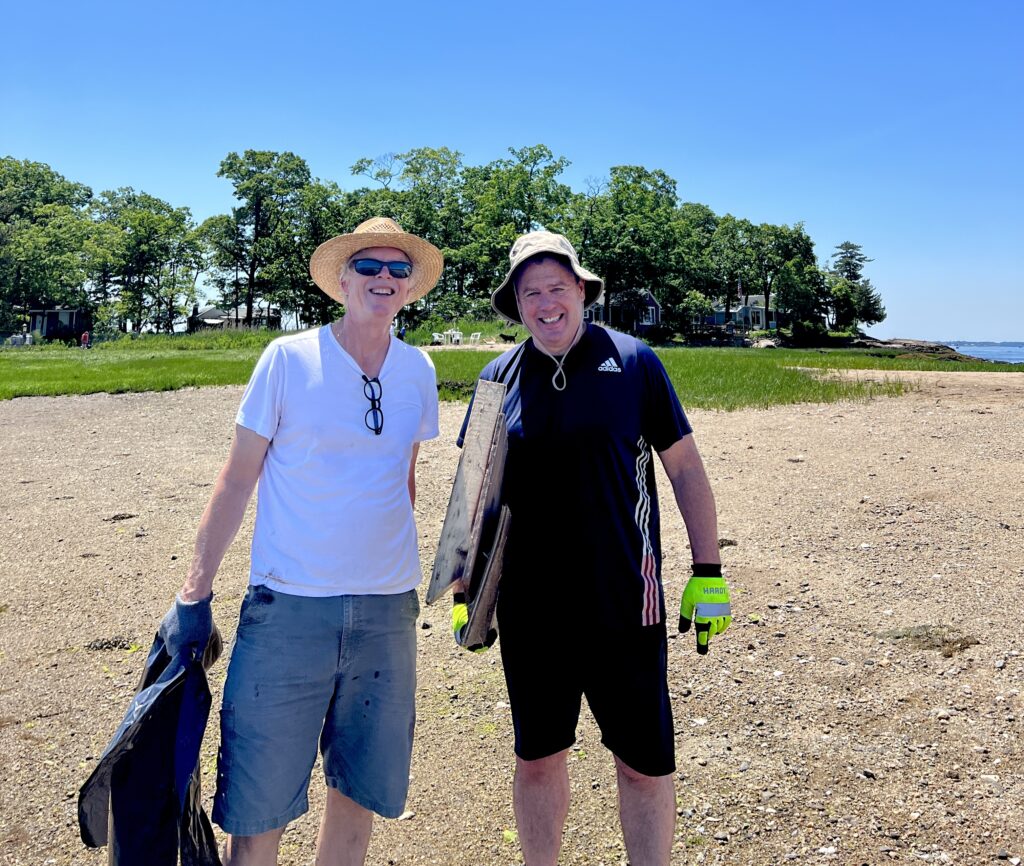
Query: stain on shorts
[254,606]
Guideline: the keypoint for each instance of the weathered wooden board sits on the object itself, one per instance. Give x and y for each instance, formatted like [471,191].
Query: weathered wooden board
[481,535]
[484,593]
[476,492]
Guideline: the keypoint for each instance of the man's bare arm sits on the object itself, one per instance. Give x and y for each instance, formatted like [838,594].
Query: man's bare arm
[694,497]
[412,472]
[224,512]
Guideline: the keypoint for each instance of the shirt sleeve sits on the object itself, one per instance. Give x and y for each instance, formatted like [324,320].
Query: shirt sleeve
[664,421]
[429,426]
[261,406]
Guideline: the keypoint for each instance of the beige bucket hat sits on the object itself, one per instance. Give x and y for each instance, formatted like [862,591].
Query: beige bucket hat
[503,298]
[331,257]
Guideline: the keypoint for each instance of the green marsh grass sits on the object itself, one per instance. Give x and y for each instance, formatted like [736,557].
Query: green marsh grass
[154,362]
[705,378]
[729,379]
[457,371]
[870,359]
[88,372]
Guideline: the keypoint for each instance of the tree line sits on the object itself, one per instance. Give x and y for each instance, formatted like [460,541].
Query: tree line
[130,257]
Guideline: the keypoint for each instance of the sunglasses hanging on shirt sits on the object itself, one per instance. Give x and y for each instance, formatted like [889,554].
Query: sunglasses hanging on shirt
[374,417]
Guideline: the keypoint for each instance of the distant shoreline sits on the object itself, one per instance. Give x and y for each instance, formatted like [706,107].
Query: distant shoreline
[1011,353]
[946,343]
[998,353]
[1010,343]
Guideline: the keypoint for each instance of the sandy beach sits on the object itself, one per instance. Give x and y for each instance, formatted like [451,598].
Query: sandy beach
[864,707]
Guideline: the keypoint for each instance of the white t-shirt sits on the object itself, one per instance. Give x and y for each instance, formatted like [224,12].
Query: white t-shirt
[333,515]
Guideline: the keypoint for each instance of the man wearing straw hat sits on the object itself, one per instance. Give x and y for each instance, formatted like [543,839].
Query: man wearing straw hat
[330,426]
[581,609]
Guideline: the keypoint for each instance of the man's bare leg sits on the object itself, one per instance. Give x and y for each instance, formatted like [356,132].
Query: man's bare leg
[259,850]
[344,832]
[541,800]
[647,809]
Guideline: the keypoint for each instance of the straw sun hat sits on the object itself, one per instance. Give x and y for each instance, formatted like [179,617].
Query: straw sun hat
[503,299]
[332,256]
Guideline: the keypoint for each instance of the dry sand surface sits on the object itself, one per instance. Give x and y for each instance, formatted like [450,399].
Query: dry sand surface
[864,707]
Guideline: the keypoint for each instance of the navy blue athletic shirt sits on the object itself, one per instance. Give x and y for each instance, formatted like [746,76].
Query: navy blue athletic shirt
[579,481]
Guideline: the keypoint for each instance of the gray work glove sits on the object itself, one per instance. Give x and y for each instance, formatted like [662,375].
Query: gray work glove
[187,627]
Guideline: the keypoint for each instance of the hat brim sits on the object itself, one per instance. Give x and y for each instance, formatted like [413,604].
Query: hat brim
[331,257]
[503,298]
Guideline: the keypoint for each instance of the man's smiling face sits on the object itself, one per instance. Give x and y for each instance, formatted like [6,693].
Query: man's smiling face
[551,303]
[375,297]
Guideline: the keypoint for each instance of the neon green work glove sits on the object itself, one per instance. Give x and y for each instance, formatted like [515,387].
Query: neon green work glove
[460,618]
[706,602]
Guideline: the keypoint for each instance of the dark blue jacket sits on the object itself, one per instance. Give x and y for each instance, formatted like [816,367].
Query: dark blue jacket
[143,798]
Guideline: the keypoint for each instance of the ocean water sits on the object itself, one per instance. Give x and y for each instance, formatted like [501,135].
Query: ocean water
[1010,353]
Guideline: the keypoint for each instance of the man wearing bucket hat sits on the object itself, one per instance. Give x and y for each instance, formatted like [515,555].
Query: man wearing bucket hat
[581,608]
[330,426]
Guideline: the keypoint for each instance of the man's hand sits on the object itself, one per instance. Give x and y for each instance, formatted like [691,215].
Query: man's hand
[460,618]
[187,626]
[706,602]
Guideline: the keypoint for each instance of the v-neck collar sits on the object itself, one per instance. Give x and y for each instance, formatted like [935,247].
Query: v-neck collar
[326,333]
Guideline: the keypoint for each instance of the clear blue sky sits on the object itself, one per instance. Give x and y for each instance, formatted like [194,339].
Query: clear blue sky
[896,125]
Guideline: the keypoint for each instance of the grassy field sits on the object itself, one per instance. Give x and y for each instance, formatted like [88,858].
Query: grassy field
[457,371]
[730,379]
[149,363]
[705,378]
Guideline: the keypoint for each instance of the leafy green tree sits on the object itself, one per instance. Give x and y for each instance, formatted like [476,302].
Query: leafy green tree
[731,258]
[842,303]
[626,233]
[131,256]
[26,185]
[848,261]
[771,246]
[102,249]
[801,294]
[48,264]
[42,222]
[436,209]
[268,185]
[226,244]
[534,196]
[10,320]
[425,191]
[174,291]
[383,169]
[319,213]
[694,308]
[156,261]
[502,200]
[868,304]
[853,300]
[364,203]
[688,272]
[695,226]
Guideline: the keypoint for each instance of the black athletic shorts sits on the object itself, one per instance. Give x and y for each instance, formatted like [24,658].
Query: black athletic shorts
[623,675]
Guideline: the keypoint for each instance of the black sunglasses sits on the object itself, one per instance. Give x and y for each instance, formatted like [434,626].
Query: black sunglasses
[374,417]
[372,267]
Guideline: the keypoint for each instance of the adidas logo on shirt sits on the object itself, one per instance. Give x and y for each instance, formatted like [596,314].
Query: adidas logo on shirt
[609,366]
